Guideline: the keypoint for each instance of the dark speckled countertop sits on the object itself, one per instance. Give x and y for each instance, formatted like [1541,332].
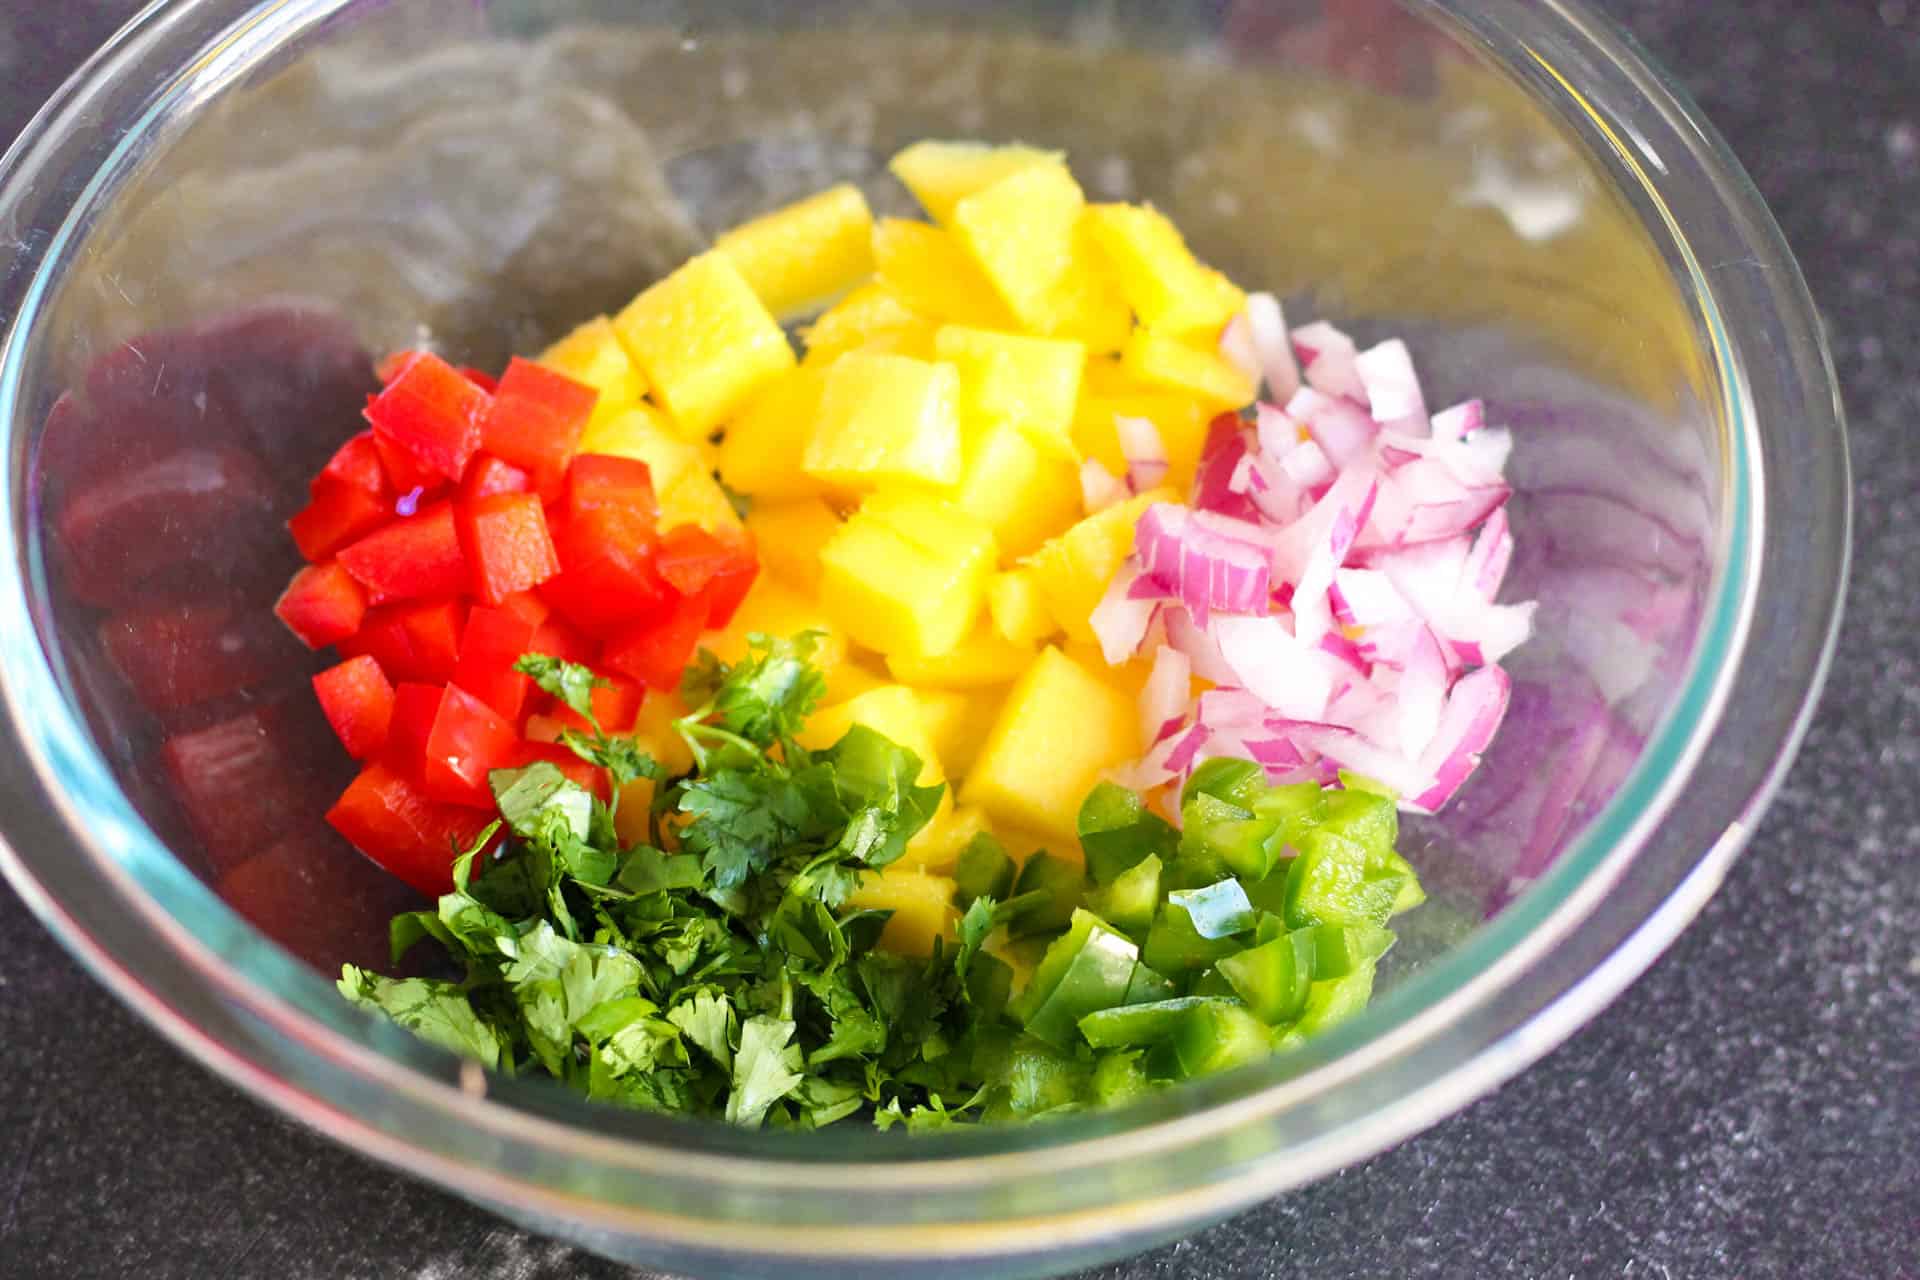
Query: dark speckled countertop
[1750,1109]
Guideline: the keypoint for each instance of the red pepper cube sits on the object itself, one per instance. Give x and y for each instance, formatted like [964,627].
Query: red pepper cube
[431,414]
[616,705]
[468,740]
[415,705]
[338,514]
[393,364]
[417,640]
[322,605]
[655,652]
[391,818]
[356,465]
[602,480]
[529,606]
[558,638]
[729,587]
[411,558]
[590,776]
[404,474]
[507,544]
[536,421]
[494,640]
[480,378]
[607,578]
[487,474]
[693,560]
[358,702]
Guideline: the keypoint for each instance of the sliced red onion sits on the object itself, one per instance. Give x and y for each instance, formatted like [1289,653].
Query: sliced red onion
[1272,665]
[1213,480]
[1461,420]
[1484,453]
[1241,481]
[1393,389]
[1200,646]
[1310,604]
[1236,344]
[1474,709]
[1354,753]
[1205,559]
[1343,652]
[1276,755]
[1267,325]
[1344,507]
[1420,694]
[1145,452]
[1340,427]
[1368,598]
[1486,564]
[1186,749]
[1119,621]
[1099,487]
[1164,698]
[1327,355]
[1489,633]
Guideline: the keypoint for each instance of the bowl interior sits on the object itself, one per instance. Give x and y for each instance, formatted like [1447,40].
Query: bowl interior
[482,176]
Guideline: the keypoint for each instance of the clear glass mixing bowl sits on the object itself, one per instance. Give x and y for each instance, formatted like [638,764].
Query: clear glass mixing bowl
[219,218]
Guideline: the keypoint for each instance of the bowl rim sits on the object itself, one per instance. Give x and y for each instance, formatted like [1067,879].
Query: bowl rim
[417,1082]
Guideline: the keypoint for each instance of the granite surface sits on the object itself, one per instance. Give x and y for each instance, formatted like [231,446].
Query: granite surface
[1750,1109]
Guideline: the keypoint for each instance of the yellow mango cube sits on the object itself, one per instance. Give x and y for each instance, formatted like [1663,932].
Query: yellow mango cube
[983,659]
[1129,677]
[807,253]
[958,721]
[654,731]
[1180,420]
[695,497]
[851,679]
[873,318]
[1023,495]
[789,536]
[893,712]
[1074,569]
[1021,232]
[1171,292]
[773,608]
[922,907]
[642,432]
[632,817]
[939,844]
[1033,383]
[885,418]
[592,354]
[1085,304]
[1019,608]
[907,574]
[761,452]
[1168,364]
[704,341]
[1061,728]
[942,174]
[930,272]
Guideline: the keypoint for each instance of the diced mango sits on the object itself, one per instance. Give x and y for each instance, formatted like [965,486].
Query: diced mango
[886,418]
[851,679]
[1129,677]
[807,253]
[983,659]
[761,452]
[1019,608]
[872,318]
[893,712]
[958,721]
[1085,304]
[928,270]
[1201,372]
[1061,727]
[704,341]
[1021,232]
[922,907]
[939,843]
[592,354]
[1172,292]
[1181,421]
[942,174]
[632,819]
[695,497]
[789,536]
[1074,569]
[654,731]
[1033,383]
[1023,495]
[907,574]
[773,608]
[643,433]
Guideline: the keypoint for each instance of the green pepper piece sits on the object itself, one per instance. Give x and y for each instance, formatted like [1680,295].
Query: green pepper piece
[1295,809]
[1175,948]
[1273,978]
[1411,893]
[1219,910]
[1118,831]
[1120,1077]
[1063,885]
[984,870]
[1218,1036]
[1131,899]
[1041,1078]
[1268,927]
[1096,979]
[1233,836]
[1138,1024]
[1213,983]
[1146,986]
[989,986]
[1367,818]
[1054,963]
[1340,949]
[1331,1003]
[1327,884]
[1237,782]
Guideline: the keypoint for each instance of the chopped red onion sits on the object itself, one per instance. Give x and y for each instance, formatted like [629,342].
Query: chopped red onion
[1393,390]
[1146,454]
[1099,487]
[1267,325]
[1119,621]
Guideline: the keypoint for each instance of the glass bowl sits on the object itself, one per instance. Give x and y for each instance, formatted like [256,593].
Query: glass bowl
[229,208]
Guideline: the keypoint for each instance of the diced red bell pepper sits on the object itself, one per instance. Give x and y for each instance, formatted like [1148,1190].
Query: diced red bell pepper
[430,412]
[322,604]
[558,638]
[468,740]
[414,707]
[536,421]
[603,480]
[358,703]
[607,578]
[487,474]
[655,652]
[416,640]
[494,640]
[178,656]
[693,560]
[356,464]
[405,474]
[590,776]
[410,558]
[337,515]
[616,705]
[528,605]
[279,890]
[393,364]
[480,378]
[244,781]
[506,543]
[393,820]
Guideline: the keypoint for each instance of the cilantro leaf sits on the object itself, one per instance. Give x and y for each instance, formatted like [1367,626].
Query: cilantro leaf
[708,1021]
[570,682]
[761,1074]
[435,1011]
[766,696]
